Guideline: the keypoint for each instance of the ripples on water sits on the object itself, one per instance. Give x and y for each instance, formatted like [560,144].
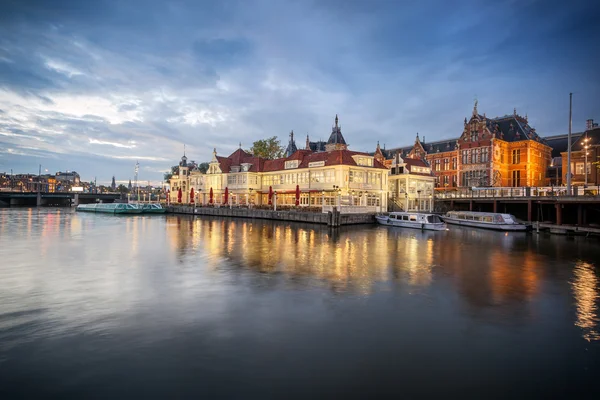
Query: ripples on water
[245,308]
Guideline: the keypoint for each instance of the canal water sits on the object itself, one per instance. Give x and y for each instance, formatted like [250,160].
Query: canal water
[97,306]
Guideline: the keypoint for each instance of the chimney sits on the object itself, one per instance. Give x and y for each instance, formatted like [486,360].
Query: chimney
[589,124]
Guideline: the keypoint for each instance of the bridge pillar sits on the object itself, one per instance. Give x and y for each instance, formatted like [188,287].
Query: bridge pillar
[529,210]
[38,201]
[558,214]
[470,205]
[452,204]
[76,199]
[495,203]
[579,214]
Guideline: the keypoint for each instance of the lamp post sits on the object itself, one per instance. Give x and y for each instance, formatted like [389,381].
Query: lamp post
[585,170]
[323,201]
[418,200]
[275,200]
[406,200]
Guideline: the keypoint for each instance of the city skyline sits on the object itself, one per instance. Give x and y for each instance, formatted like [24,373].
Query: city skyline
[96,87]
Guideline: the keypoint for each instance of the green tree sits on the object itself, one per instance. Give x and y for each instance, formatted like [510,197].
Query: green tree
[122,189]
[203,167]
[168,175]
[267,148]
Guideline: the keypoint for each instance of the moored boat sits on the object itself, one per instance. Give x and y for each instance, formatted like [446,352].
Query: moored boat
[496,221]
[414,220]
[110,208]
[153,208]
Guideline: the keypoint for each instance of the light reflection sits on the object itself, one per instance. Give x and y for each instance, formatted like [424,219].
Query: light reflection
[585,289]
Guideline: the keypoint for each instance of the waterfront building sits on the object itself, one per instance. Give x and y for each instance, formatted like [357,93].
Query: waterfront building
[410,183]
[502,151]
[325,173]
[585,152]
[186,177]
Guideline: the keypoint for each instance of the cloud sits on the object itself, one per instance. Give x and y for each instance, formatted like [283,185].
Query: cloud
[86,84]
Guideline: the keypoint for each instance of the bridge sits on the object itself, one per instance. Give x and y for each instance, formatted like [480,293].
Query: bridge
[542,204]
[65,199]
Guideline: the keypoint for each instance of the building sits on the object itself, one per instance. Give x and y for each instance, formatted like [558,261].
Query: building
[501,151]
[585,155]
[410,183]
[186,177]
[326,174]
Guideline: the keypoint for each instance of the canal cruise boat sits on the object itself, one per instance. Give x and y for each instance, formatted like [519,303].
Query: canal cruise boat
[414,220]
[495,221]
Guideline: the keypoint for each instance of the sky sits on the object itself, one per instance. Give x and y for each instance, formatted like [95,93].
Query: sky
[94,86]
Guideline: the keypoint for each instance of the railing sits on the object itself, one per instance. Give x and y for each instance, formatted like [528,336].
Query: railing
[510,192]
[352,209]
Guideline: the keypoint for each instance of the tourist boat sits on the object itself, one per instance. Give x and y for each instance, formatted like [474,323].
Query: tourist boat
[153,208]
[412,220]
[110,208]
[497,221]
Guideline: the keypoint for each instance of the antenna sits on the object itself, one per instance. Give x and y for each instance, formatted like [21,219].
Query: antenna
[135,179]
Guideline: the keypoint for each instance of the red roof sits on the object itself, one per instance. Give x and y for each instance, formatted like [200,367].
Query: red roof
[258,164]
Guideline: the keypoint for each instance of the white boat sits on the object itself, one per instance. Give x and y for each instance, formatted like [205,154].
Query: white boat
[412,220]
[496,221]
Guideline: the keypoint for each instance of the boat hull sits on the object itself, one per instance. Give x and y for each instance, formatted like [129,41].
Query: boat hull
[486,225]
[384,220]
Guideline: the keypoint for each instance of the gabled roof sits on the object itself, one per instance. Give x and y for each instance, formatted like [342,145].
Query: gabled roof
[336,157]
[593,136]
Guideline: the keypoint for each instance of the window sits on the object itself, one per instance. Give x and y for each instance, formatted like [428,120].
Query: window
[474,154]
[579,168]
[291,164]
[437,165]
[465,156]
[453,162]
[516,178]
[366,161]
[446,164]
[516,156]
[453,180]
[473,136]
[485,154]
[446,180]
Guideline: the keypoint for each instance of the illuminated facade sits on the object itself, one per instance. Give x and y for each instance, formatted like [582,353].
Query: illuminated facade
[585,155]
[322,177]
[502,151]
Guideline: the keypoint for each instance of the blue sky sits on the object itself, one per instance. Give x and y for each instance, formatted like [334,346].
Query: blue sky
[93,86]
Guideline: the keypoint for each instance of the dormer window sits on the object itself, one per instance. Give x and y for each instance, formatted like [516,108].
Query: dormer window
[473,136]
[363,161]
[292,164]
[235,168]
[246,167]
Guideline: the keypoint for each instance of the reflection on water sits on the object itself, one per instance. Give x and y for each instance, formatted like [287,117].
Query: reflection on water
[174,295]
[585,289]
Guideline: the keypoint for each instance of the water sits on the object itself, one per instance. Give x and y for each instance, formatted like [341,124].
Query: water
[96,306]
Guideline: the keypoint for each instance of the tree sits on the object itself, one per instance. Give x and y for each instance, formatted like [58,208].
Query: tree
[203,167]
[122,189]
[267,148]
[169,175]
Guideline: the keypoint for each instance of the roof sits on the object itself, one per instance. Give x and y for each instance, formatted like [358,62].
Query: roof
[336,157]
[593,136]
[336,136]
[560,143]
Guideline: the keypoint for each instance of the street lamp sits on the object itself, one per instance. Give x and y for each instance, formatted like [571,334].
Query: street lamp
[275,200]
[585,147]
[419,200]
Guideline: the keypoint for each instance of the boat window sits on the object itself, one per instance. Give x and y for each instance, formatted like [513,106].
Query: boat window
[412,218]
[392,216]
[434,219]
[488,218]
[476,218]
[498,218]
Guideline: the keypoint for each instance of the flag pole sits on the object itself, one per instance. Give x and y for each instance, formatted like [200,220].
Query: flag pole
[569,188]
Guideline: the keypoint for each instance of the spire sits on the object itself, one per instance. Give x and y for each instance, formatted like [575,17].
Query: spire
[515,111]
[475,107]
[240,145]
[378,148]
[526,120]
[336,120]
[307,142]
